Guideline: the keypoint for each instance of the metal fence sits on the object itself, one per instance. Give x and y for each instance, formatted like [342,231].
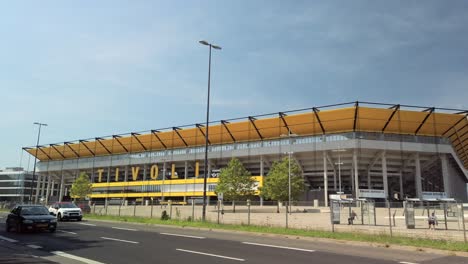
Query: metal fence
[377,218]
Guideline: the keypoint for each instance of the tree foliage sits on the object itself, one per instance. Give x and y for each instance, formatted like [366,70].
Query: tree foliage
[81,187]
[275,186]
[235,182]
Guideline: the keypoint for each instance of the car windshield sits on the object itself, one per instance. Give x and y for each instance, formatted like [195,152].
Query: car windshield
[34,210]
[68,205]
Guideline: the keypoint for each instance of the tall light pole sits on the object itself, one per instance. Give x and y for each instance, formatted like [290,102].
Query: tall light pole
[35,158]
[339,163]
[289,135]
[204,42]
[289,180]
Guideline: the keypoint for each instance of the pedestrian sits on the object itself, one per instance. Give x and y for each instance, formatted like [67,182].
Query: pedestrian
[352,217]
[432,221]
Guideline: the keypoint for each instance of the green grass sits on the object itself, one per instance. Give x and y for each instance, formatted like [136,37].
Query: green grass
[383,239]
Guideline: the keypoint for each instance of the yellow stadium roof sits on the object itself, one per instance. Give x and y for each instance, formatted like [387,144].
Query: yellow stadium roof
[356,116]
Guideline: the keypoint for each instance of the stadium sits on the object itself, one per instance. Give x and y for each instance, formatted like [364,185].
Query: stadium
[362,149]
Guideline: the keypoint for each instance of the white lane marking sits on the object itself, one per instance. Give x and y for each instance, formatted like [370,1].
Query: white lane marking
[86,224]
[273,246]
[169,234]
[70,256]
[68,232]
[404,262]
[8,239]
[208,254]
[34,246]
[121,240]
[121,228]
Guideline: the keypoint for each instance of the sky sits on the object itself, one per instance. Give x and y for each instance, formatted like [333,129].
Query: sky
[98,68]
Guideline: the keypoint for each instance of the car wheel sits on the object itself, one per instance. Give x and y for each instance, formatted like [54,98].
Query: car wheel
[52,230]
[59,217]
[79,219]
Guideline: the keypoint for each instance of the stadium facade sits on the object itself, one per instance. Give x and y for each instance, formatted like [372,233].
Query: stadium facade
[365,150]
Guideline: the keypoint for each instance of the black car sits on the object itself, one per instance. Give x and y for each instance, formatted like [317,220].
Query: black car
[29,218]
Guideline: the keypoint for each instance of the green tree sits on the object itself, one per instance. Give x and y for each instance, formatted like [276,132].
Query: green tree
[235,182]
[275,185]
[81,187]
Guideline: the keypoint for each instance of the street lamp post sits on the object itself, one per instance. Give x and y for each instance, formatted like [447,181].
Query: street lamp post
[207,122]
[35,158]
[339,163]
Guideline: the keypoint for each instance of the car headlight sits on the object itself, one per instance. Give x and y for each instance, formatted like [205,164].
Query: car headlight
[53,220]
[28,221]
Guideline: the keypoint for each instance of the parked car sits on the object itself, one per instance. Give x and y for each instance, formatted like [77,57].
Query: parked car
[66,210]
[30,218]
[84,206]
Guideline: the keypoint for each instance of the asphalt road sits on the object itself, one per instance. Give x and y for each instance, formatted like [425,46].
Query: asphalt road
[105,242]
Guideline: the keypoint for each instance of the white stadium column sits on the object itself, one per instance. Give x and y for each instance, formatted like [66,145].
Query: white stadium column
[185,177]
[417,176]
[356,173]
[384,173]
[52,189]
[261,174]
[49,181]
[61,188]
[445,175]
[38,187]
[325,178]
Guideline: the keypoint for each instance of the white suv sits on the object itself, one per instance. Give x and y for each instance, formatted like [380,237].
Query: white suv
[66,210]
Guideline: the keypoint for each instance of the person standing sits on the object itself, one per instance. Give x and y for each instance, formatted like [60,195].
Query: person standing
[432,221]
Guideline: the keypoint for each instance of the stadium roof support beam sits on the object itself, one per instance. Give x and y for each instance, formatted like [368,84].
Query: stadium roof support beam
[134,135]
[456,131]
[90,151]
[430,111]
[316,111]
[176,130]
[154,132]
[356,107]
[458,122]
[58,151]
[102,144]
[282,115]
[224,122]
[39,147]
[116,137]
[199,126]
[252,120]
[395,109]
[68,145]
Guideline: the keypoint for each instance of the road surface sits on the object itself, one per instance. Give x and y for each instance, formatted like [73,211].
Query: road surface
[97,242]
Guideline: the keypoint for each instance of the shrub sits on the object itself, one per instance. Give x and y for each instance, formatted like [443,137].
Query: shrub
[164,215]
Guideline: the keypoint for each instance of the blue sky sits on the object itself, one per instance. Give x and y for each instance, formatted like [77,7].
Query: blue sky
[95,68]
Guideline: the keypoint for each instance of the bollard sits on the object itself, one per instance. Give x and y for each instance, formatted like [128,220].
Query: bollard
[170,208]
[248,212]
